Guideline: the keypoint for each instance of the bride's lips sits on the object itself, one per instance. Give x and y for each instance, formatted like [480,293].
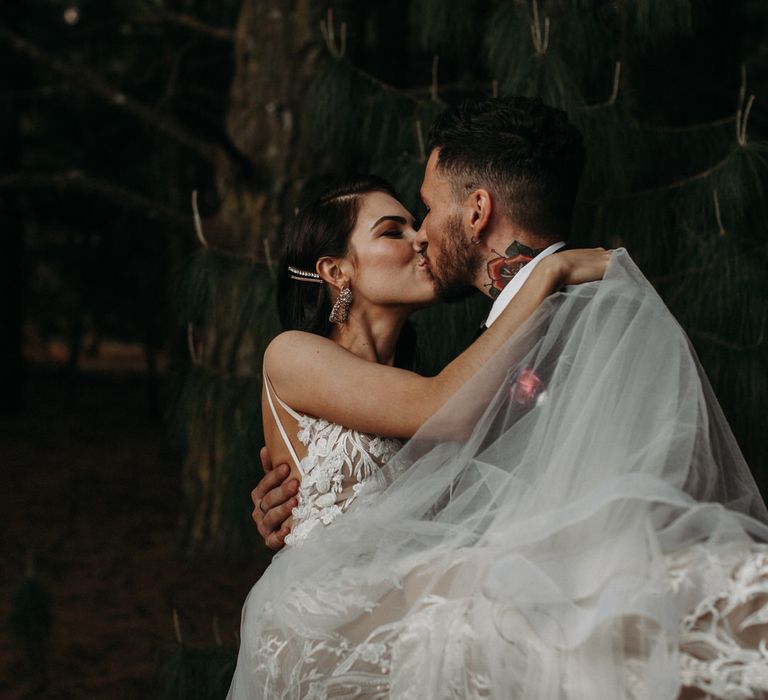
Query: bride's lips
[424,265]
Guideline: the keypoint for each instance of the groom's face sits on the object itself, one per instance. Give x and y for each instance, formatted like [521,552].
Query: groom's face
[453,260]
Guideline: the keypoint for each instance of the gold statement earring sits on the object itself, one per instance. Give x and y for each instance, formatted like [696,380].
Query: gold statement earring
[340,310]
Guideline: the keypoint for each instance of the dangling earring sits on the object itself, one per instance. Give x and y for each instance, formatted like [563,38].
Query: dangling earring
[340,310]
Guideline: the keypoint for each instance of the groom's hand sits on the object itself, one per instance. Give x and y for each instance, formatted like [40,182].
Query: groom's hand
[273,500]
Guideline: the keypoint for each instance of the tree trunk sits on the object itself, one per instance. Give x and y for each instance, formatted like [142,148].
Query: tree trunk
[276,51]
[275,54]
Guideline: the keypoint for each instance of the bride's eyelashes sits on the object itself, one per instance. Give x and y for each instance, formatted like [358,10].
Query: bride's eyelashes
[393,233]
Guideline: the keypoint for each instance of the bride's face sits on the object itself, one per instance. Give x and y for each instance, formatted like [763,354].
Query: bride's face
[387,268]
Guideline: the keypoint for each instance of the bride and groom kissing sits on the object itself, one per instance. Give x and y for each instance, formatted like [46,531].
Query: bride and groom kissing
[477,234]
[525,543]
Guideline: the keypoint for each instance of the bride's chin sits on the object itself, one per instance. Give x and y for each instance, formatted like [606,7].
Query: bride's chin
[430,294]
[424,303]
[432,300]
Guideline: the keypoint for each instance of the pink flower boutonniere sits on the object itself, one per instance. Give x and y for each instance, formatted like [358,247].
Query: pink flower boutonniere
[526,387]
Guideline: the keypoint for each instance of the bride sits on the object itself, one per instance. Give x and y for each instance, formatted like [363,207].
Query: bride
[570,516]
[538,537]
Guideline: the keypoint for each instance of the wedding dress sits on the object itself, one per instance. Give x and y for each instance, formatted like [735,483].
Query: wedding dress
[576,523]
[338,466]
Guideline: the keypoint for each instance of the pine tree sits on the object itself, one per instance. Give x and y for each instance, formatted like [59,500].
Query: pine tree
[676,177]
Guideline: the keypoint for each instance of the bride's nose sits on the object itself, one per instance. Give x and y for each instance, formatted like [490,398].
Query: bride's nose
[420,241]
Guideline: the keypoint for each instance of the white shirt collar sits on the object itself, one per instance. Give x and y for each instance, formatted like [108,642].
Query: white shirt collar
[508,293]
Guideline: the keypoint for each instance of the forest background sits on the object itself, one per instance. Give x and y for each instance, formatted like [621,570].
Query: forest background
[152,153]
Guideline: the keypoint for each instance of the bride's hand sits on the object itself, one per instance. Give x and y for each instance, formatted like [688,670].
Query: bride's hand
[579,266]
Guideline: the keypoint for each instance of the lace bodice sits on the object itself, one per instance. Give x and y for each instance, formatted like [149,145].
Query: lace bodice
[339,465]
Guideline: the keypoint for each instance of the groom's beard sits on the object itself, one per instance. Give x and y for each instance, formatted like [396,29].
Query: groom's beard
[456,269]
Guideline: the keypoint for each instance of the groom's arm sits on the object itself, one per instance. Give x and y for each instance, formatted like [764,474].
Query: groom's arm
[273,500]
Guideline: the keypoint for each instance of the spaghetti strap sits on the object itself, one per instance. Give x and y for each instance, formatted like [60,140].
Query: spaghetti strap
[282,403]
[270,390]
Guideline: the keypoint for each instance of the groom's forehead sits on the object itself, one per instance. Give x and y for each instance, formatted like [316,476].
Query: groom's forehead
[432,178]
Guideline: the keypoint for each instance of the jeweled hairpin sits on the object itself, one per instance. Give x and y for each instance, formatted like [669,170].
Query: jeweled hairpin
[303,275]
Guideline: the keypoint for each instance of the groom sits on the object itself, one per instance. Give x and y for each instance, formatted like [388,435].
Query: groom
[499,187]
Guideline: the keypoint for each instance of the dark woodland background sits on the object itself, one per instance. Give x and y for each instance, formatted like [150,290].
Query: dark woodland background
[151,155]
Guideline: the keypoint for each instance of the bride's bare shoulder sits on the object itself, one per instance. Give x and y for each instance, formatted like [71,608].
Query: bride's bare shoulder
[293,351]
[297,341]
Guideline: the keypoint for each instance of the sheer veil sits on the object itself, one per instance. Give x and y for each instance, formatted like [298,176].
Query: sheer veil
[543,536]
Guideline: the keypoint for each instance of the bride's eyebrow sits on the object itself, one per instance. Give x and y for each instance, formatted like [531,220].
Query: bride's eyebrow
[398,219]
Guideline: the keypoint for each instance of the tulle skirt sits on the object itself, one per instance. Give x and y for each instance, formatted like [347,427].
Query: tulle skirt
[577,522]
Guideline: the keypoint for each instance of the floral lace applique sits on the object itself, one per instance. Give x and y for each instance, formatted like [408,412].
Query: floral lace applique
[713,656]
[337,468]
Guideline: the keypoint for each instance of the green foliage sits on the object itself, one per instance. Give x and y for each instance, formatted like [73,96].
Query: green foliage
[546,56]
[445,26]
[649,21]
[351,113]
[31,616]
[508,43]
[406,169]
[233,298]
[228,306]
[31,620]
[688,202]
[334,105]
[384,130]
[405,173]
[612,145]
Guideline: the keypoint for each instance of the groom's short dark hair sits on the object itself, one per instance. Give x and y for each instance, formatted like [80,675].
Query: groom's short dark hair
[528,154]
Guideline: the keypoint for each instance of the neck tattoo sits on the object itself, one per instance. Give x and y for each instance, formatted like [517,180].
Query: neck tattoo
[503,268]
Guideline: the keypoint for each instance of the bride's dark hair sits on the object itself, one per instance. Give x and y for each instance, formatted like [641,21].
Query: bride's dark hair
[322,228]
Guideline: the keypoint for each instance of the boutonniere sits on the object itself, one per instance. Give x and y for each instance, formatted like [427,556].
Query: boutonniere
[526,387]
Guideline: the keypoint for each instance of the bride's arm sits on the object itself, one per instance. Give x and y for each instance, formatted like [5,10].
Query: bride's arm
[316,376]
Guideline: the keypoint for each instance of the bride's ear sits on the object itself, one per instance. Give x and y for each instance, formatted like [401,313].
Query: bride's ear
[330,271]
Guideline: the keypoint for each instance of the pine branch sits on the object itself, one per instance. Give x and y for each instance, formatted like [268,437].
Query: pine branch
[89,81]
[614,91]
[723,343]
[389,88]
[424,92]
[188,22]
[693,127]
[75,181]
[328,30]
[677,184]
[758,249]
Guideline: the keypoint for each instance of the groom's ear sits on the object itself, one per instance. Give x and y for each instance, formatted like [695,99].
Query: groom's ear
[479,207]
